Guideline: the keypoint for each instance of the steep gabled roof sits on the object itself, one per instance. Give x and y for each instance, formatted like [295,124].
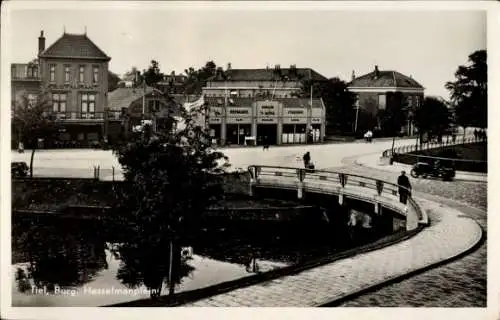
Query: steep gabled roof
[74,46]
[392,79]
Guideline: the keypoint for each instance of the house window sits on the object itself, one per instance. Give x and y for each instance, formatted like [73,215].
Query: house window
[409,101]
[382,101]
[59,102]
[88,105]
[31,99]
[66,73]
[35,72]
[417,101]
[81,74]
[95,75]
[52,71]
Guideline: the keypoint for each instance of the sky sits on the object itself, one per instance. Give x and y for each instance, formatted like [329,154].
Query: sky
[427,45]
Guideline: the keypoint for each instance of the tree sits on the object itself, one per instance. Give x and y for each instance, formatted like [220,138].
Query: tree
[432,117]
[469,92]
[197,79]
[171,178]
[338,100]
[33,120]
[153,75]
[113,80]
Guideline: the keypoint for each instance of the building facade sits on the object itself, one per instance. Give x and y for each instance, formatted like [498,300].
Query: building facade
[260,106]
[371,90]
[73,71]
[134,105]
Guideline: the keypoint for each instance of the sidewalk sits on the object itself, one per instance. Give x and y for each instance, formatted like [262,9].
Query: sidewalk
[375,161]
[449,236]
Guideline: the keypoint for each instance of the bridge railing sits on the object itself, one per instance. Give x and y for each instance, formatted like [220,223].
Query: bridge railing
[334,178]
[366,188]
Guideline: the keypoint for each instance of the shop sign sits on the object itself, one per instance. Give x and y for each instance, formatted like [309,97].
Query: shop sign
[267,120]
[315,120]
[295,112]
[239,120]
[316,112]
[294,120]
[214,120]
[215,112]
[238,111]
[267,110]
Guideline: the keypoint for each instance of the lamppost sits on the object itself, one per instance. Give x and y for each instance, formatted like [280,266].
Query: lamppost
[356,106]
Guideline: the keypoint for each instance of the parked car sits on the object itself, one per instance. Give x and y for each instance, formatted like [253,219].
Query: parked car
[423,169]
[19,170]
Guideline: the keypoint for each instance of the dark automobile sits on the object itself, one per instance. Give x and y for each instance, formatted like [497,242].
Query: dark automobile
[423,169]
[19,169]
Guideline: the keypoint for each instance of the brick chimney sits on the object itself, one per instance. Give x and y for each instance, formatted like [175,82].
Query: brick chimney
[377,73]
[41,42]
[353,76]
[229,66]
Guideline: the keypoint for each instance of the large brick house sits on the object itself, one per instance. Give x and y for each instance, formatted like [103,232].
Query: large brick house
[73,71]
[261,105]
[371,90]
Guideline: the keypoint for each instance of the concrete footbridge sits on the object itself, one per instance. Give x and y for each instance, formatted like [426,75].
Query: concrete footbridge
[439,233]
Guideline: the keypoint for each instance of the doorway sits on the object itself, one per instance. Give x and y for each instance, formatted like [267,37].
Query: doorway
[267,134]
[236,133]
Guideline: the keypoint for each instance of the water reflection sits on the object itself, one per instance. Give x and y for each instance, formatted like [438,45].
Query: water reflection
[62,262]
[148,264]
[54,257]
[59,262]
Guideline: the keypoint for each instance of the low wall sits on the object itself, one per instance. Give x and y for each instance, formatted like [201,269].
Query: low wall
[451,155]
[52,194]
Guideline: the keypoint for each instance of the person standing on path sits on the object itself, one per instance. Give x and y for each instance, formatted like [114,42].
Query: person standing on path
[307,159]
[404,187]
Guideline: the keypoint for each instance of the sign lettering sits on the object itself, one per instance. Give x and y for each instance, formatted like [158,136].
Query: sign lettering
[238,111]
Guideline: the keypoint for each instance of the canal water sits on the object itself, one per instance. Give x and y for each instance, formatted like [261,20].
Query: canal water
[69,262]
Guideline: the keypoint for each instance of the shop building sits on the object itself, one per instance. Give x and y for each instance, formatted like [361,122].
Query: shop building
[245,121]
[261,106]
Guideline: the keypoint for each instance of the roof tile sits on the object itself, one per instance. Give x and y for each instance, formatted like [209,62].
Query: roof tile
[75,46]
[271,75]
[123,97]
[385,79]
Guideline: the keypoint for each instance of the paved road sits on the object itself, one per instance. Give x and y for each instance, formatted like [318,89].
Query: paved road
[80,162]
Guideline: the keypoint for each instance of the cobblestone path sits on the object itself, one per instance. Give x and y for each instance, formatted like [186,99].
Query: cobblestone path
[461,283]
